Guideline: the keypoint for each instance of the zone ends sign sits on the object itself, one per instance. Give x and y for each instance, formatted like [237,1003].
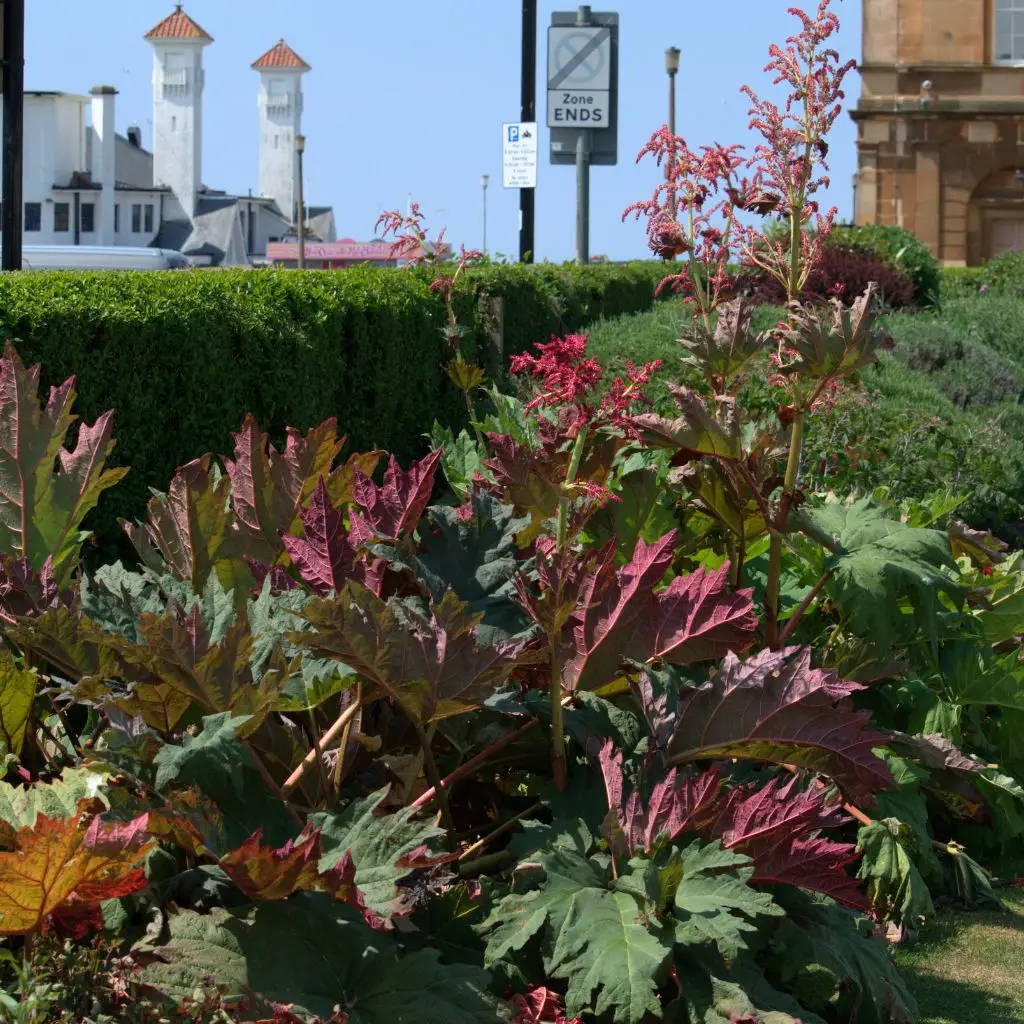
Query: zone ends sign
[578,109]
[580,76]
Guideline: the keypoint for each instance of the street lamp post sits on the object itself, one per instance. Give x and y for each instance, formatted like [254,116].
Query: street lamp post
[485,180]
[671,69]
[300,149]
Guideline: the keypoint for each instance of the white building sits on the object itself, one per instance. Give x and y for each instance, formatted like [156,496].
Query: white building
[86,184]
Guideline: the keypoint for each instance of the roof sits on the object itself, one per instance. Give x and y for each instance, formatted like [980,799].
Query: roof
[281,56]
[178,25]
[208,234]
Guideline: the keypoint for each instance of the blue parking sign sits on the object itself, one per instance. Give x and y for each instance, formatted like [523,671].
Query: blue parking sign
[513,133]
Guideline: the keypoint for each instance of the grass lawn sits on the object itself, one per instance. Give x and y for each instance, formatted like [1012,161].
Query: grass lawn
[969,968]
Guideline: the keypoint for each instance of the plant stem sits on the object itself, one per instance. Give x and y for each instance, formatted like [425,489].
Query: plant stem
[501,830]
[328,738]
[321,770]
[434,776]
[802,609]
[796,441]
[558,768]
[343,745]
[555,678]
[490,862]
[575,458]
[470,766]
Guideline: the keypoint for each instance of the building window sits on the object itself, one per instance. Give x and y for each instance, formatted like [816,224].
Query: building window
[61,216]
[1009,41]
[33,216]
[117,217]
[148,222]
[136,218]
[88,217]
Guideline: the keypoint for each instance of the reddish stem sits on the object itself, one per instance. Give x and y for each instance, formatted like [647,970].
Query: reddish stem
[472,764]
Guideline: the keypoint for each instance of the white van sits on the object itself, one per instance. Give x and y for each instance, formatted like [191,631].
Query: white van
[97,257]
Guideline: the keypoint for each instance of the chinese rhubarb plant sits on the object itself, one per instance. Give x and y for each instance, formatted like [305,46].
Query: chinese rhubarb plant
[590,714]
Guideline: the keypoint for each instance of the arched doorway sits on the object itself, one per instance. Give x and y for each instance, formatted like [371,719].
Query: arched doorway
[996,215]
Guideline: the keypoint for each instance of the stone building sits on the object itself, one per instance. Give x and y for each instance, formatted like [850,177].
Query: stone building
[940,119]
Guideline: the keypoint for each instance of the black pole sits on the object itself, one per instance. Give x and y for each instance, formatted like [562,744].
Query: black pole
[528,112]
[13,82]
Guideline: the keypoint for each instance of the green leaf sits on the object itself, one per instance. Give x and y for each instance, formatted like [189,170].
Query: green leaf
[894,884]
[881,564]
[476,558]
[461,458]
[643,512]
[58,800]
[377,843]
[219,764]
[600,941]
[610,958]
[696,432]
[17,695]
[313,954]
[816,938]
[972,676]
[311,681]
[714,900]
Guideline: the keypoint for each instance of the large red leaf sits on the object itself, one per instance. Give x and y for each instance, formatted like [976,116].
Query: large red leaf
[393,510]
[67,867]
[532,478]
[46,489]
[676,805]
[324,556]
[431,665]
[774,707]
[778,826]
[623,618]
[267,486]
[25,592]
[190,532]
[265,873]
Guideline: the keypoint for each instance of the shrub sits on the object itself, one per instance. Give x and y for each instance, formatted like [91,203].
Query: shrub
[181,357]
[898,248]
[1004,274]
[960,282]
[842,272]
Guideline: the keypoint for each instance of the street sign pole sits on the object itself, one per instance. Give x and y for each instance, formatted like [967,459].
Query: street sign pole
[583,171]
[12,77]
[528,113]
[583,101]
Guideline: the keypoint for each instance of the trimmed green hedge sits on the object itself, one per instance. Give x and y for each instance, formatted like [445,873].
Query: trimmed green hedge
[182,356]
[961,282]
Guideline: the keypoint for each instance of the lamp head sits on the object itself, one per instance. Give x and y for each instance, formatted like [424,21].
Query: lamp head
[672,59]
[300,143]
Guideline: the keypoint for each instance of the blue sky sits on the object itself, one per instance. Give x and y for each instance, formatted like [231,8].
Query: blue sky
[409,96]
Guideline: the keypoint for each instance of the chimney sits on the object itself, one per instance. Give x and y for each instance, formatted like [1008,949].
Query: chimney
[104,169]
[135,135]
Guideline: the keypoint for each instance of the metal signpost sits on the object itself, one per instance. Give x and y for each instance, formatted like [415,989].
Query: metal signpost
[519,154]
[12,82]
[527,114]
[583,81]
